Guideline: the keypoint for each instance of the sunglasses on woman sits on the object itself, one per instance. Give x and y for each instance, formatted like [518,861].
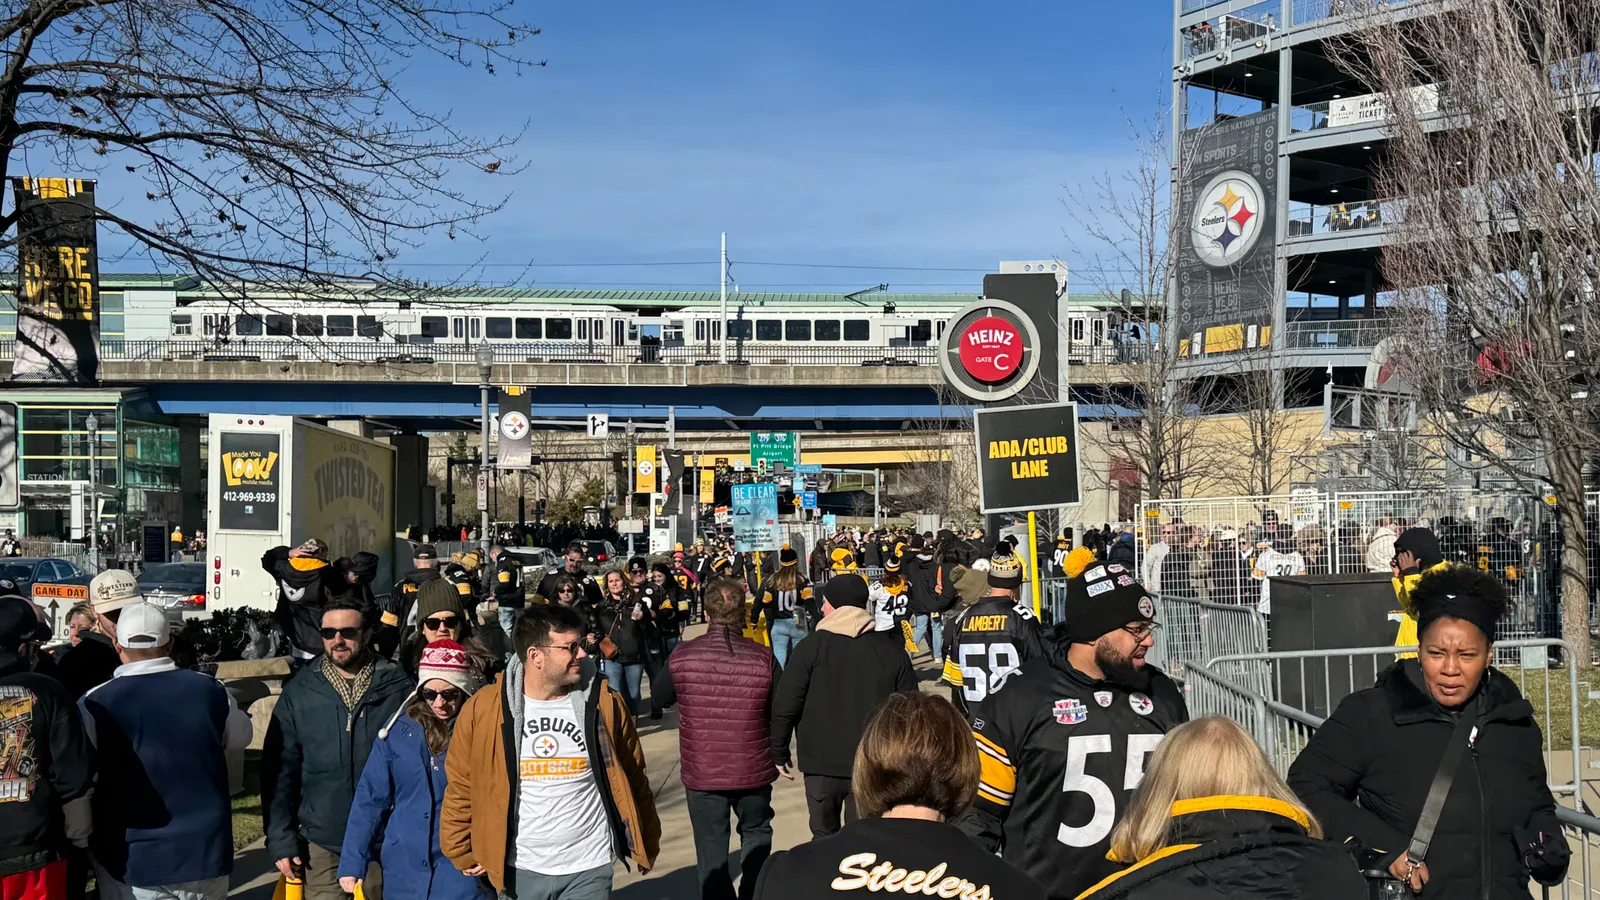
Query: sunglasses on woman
[439,623]
[450,695]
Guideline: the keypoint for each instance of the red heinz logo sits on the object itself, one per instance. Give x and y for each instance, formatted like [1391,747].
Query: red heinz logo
[991,349]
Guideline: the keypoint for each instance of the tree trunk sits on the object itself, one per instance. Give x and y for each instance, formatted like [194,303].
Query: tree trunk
[1566,465]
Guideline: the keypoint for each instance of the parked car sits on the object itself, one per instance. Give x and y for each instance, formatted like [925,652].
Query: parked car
[29,571]
[598,553]
[536,562]
[179,588]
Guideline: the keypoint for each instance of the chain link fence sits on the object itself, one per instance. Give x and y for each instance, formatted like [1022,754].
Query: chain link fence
[1222,549]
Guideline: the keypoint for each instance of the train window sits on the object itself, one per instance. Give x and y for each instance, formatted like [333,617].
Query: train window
[366,326]
[738,329]
[280,326]
[716,331]
[458,327]
[633,332]
[497,328]
[700,330]
[769,329]
[209,324]
[797,330]
[857,330]
[597,327]
[308,326]
[672,332]
[1076,335]
[245,326]
[827,329]
[341,326]
[475,326]
[583,329]
[558,329]
[435,327]
[182,324]
[530,329]
[922,331]
[940,326]
[1097,327]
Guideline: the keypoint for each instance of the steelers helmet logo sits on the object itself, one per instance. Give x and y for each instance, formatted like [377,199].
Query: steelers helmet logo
[545,746]
[514,425]
[646,467]
[1227,219]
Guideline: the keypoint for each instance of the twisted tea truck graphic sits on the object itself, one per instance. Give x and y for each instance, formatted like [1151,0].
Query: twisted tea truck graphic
[1226,223]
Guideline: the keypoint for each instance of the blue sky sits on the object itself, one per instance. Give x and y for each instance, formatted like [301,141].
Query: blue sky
[876,134]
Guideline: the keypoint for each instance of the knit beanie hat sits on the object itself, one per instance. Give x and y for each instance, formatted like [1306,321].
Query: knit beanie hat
[787,556]
[846,590]
[436,596]
[447,660]
[1103,599]
[972,585]
[1005,571]
[892,564]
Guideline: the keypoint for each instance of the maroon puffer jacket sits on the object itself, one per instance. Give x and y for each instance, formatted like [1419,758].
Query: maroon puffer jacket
[724,683]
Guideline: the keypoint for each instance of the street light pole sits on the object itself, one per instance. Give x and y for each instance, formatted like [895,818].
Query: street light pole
[93,424]
[485,368]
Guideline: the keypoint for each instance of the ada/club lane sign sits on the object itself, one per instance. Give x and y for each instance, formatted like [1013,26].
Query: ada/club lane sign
[1027,457]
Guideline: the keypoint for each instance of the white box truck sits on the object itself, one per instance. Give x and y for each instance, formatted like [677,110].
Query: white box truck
[279,480]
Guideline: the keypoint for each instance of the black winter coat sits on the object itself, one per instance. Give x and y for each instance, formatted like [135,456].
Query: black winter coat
[1244,847]
[631,637]
[932,586]
[1382,747]
[314,753]
[835,678]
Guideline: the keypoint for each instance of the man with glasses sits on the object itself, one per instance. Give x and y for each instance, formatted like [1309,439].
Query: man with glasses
[571,567]
[322,729]
[546,776]
[1063,747]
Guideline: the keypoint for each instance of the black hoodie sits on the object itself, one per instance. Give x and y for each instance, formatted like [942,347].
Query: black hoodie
[932,586]
[48,762]
[303,587]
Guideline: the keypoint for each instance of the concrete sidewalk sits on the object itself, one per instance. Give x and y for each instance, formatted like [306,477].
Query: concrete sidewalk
[673,878]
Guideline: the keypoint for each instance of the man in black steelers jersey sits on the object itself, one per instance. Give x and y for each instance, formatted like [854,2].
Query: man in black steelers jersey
[991,639]
[1065,744]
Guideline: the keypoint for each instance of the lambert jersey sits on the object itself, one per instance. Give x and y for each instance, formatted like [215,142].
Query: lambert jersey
[1061,755]
[988,642]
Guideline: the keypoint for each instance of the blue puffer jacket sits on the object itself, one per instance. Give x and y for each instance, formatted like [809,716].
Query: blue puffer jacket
[395,818]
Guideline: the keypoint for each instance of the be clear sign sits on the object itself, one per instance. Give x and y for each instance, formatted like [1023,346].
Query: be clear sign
[755,517]
[1027,457]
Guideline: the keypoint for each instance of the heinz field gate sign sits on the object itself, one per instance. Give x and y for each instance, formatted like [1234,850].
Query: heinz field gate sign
[990,351]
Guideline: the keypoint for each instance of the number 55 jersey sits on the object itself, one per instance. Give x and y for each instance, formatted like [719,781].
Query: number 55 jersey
[1061,755]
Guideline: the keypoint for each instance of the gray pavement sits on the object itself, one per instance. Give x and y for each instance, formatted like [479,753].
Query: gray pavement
[673,877]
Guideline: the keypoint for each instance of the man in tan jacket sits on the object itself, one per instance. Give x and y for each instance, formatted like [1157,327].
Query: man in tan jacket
[547,784]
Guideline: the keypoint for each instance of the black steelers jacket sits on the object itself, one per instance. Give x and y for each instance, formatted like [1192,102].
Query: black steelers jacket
[1061,755]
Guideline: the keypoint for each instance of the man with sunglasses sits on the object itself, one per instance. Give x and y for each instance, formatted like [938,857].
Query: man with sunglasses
[571,567]
[322,729]
[1063,747]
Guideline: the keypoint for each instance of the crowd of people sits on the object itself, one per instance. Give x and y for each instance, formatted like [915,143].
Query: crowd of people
[471,734]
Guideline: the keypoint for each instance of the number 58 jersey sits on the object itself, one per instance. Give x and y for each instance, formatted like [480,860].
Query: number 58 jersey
[1061,755]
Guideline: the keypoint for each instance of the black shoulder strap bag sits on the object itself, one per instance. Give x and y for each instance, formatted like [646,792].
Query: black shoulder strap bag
[1380,884]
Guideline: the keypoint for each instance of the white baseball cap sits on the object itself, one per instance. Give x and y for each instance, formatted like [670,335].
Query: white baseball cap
[113,589]
[143,625]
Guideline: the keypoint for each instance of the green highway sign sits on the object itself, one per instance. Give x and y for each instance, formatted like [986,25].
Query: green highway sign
[775,447]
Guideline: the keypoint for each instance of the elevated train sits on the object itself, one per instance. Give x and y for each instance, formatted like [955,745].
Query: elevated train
[756,322]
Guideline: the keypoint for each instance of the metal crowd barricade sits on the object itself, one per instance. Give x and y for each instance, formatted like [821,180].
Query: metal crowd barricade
[1285,518]
[1315,681]
[1194,631]
[1282,729]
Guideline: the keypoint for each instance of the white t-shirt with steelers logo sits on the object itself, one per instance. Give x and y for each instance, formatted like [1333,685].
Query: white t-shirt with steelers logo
[562,827]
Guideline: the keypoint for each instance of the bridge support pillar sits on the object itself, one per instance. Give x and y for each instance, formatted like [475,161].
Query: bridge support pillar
[413,499]
[189,482]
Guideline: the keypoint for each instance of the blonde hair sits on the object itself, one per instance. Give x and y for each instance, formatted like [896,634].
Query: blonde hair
[1208,757]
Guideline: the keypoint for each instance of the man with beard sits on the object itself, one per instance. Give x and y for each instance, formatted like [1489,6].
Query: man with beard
[1065,744]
